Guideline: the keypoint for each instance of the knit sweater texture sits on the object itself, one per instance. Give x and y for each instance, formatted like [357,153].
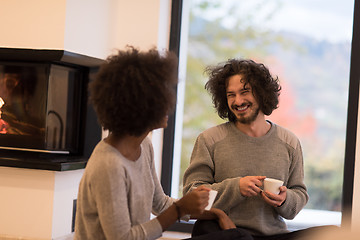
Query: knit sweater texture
[117,196]
[223,154]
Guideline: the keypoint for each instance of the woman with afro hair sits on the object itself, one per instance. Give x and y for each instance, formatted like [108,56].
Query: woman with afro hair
[132,95]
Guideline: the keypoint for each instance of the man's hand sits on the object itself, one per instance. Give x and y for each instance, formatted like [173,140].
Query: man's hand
[250,185]
[214,213]
[275,200]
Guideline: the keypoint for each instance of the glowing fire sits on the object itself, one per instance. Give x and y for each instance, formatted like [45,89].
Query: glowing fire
[3,125]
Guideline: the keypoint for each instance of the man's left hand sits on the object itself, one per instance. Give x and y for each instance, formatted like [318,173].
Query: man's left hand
[275,200]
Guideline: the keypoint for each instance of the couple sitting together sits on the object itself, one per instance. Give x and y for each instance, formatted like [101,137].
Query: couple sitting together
[133,94]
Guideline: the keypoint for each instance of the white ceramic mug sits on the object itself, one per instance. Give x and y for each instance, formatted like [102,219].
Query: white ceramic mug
[212,196]
[272,185]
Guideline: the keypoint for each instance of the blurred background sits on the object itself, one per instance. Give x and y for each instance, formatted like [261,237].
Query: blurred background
[307,44]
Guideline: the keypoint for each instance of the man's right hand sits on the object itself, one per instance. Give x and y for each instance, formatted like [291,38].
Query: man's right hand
[250,185]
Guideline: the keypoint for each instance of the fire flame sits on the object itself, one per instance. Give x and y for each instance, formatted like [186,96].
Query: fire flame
[3,125]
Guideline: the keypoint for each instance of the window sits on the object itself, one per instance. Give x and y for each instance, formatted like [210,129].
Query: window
[307,44]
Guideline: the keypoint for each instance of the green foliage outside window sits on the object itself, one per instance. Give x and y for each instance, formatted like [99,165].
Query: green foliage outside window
[313,102]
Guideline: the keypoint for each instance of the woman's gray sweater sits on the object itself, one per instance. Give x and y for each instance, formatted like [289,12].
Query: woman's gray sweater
[116,196]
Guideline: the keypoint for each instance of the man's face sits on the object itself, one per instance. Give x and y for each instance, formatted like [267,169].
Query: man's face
[241,100]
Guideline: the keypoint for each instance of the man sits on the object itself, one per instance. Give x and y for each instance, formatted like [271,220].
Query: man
[235,157]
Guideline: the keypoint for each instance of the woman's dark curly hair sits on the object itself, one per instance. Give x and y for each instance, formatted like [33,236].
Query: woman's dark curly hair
[266,89]
[134,91]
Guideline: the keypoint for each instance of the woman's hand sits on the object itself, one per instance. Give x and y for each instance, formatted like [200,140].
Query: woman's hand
[192,203]
[224,221]
[195,201]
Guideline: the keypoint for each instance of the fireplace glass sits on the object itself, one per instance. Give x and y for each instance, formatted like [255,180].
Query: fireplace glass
[40,107]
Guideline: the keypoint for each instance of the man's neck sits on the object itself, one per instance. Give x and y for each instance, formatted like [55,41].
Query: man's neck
[257,128]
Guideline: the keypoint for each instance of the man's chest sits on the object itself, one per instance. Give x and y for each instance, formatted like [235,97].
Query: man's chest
[250,159]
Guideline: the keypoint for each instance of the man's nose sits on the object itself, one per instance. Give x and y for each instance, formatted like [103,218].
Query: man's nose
[238,99]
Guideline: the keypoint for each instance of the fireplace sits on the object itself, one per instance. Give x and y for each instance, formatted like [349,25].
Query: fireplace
[44,115]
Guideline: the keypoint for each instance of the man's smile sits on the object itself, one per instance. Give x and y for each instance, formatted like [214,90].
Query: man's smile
[242,107]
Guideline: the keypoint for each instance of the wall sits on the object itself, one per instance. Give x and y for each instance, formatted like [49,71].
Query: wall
[104,26]
[36,24]
[37,204]
[26,202]
[65,191]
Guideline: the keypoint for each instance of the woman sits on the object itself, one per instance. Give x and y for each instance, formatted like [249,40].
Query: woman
[132,95]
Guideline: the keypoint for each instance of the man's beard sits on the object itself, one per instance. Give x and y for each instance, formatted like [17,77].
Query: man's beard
[249,119]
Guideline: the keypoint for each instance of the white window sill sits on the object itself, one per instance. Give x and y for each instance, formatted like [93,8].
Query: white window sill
[310,218]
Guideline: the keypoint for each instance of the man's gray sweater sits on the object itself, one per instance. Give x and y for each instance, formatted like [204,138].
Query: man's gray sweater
[223,154]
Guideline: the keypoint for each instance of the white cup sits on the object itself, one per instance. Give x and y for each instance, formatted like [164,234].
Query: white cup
[272,185]
[212,196]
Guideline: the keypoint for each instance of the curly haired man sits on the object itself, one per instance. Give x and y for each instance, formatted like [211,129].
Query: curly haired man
[235,157]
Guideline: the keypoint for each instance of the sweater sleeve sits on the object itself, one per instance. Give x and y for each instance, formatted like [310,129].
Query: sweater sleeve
[110,195]
[296,195]
[201,172]
[161,201]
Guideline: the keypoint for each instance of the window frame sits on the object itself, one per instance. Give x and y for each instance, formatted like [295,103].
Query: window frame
[351,127]
[169,131]
[352,118]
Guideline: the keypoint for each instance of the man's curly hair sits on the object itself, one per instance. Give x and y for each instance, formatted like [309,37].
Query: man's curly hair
[134,91]
[266,89]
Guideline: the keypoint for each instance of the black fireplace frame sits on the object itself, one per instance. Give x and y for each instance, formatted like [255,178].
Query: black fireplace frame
[90,131]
